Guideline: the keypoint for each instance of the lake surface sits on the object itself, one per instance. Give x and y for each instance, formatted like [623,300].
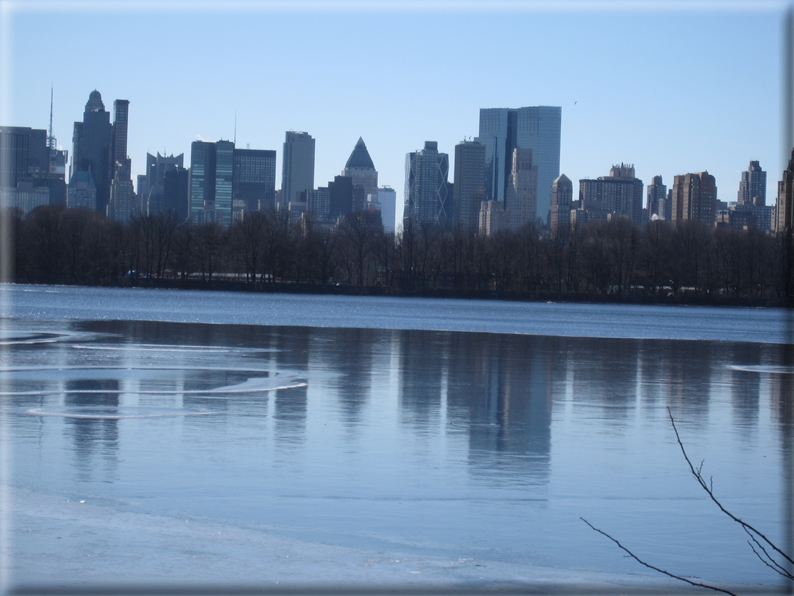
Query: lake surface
[195,436]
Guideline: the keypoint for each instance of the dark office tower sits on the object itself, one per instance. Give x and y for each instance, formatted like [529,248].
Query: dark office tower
[92,149]
[156,169]
[561,199]
[427,197]
[121,110]
[785,198]
[254,185]
[502,130]
[23,152]
[752,187]
[522,189]
[657,194]
[175,193]
[360,168]
[26,180]
[202,179]
[297,174]
[341,196]
[469,189]
[695,197]
[318,203]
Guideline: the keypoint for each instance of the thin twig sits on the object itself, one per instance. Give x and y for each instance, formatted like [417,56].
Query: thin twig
[774,564]
[649,566]
[699,477]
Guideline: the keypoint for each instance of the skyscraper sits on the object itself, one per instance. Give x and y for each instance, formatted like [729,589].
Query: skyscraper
[224,176]
[92,148]
[157,167]
[427,197]
[360,168]
[561,199]
[121,110]
[695,197]
[785,198]
[297,175]
[469,189]
[752,187]
[202,179]
[657,195]
[522,189]
[255,178]
[26,179]
[502,130]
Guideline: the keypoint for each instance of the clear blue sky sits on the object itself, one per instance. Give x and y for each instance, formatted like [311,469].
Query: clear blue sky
[668,88]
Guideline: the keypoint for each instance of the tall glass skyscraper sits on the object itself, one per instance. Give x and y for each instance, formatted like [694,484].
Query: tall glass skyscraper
[427,193]
[504,129]
[297,174]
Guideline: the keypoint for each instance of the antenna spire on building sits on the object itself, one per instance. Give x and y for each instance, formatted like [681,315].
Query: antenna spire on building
[50,138]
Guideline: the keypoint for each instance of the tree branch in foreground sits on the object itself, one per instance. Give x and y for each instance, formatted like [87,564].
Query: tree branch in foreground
[649,566]
[747,527]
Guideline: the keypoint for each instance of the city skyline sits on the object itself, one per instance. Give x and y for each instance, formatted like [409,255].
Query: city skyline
[602,124]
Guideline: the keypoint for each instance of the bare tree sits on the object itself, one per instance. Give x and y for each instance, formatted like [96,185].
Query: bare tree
[766,550]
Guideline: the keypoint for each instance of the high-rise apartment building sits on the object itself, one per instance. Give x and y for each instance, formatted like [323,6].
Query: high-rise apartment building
[360,168]
[620,193]
[502,130]
[297,174]
[469,190]
[427,196]
[92,148]
[752,187]
[561,199]
[657,195]
[522,189]
[694,197]
[785,199]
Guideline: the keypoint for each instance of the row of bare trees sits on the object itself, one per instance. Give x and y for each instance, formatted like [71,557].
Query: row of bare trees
[56,245]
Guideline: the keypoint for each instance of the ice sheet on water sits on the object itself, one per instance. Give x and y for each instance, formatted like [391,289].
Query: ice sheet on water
[113,412]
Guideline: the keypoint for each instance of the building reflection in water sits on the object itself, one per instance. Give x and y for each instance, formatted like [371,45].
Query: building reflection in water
[745,386]
[95,438]
[350,352]
[496,389]
[292,354]
[605,378]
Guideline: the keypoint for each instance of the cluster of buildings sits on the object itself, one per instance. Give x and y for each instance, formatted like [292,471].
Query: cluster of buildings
[506,177]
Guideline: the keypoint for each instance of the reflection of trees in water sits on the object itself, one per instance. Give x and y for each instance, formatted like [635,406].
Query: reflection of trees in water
[605,374]
[93,438]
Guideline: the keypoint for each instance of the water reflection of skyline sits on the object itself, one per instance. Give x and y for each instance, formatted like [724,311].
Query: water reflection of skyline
[498,391]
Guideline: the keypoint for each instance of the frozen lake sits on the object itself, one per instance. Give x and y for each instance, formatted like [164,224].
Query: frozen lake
[238,438]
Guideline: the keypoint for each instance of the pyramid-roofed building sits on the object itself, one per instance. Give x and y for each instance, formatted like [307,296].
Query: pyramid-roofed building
[360,168]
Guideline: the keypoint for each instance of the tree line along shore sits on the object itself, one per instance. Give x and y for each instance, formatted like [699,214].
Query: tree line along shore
[689,262]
